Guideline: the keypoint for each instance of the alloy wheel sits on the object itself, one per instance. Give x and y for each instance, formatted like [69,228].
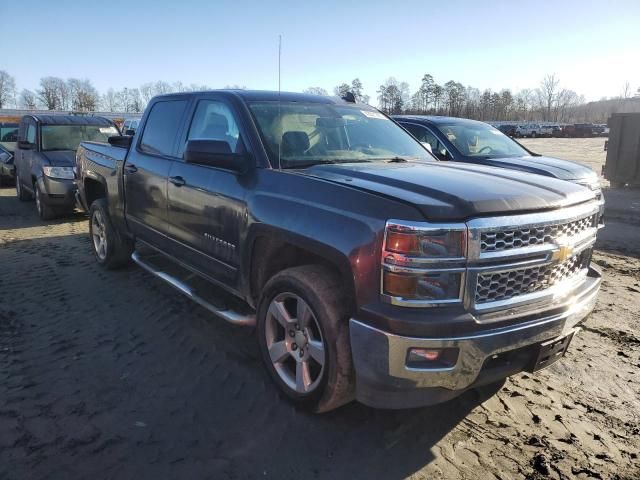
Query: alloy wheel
[295,344]
[99,235]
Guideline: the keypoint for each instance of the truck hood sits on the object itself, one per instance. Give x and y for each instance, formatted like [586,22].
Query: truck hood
[60,158]
[555,167]
[456,191]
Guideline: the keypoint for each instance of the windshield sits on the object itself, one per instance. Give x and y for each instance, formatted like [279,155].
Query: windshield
[9,136]
[312,133]
[481,140]
[68,137]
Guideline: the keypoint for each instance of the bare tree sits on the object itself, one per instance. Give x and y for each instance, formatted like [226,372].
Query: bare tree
[48,94]
[316,91]
[548,91]
[7,89]
[83,96]
[109,101]
[626,90]
[28,99]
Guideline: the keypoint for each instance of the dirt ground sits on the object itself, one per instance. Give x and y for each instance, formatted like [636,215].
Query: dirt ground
[115,375]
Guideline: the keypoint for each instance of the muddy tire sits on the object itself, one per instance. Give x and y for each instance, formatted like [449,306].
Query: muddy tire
[303,334]
[45,212]
[110,248]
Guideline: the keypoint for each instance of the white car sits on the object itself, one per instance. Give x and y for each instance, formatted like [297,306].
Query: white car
[533,130]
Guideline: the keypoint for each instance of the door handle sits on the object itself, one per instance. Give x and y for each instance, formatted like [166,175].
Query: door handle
[131,168]
[177,181]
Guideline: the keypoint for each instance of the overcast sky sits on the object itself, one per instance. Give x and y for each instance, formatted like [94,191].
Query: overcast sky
[593,47]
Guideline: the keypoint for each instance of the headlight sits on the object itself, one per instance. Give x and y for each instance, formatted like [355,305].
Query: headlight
[423,264]
[59,172]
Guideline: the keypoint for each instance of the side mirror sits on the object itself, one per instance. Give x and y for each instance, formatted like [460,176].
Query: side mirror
[130,132]
[215,153]
[427,145]
[120,141]
[443,154]
[23,144]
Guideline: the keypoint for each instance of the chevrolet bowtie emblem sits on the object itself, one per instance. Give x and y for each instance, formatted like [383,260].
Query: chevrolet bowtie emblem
[563,253]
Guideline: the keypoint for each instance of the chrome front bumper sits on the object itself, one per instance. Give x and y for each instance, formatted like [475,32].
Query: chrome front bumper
[384,380]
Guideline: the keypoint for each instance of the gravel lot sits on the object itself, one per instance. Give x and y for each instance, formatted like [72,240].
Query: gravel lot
[115,375]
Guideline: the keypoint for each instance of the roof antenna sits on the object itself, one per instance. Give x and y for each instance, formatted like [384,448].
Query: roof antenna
[279,91]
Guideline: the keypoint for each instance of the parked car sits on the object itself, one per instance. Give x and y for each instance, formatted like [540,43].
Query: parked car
[578,130]
[45,158]
[130,126]
[533,130]
[7,169]
[509,130]
[471,141]
[556,130]
[8,139]
[370,269]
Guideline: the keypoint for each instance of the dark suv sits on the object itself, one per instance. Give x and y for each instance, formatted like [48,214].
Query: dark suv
[45,158]
[470,141]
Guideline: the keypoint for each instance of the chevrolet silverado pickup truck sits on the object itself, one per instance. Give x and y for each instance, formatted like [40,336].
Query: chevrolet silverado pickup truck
[45,158]
[370,270]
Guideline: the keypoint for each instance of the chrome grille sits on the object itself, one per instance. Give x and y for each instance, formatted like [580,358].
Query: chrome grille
[493,287]
[501,240]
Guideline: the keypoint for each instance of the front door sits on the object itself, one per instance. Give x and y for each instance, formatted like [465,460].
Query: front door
[146,171]
[207,205]
[24,157]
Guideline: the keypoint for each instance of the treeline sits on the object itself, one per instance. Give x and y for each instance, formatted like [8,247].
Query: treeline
[548,102]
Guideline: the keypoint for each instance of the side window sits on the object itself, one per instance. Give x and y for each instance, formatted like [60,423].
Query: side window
[31,133]
[213,120]
[424,135]
[162,127]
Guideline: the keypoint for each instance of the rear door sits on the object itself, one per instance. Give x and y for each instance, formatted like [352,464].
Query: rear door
[206,204]
[146,171]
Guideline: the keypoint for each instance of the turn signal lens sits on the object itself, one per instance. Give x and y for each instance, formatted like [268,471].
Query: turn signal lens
[439,243]
[436,286]
[407,243]
[400,285]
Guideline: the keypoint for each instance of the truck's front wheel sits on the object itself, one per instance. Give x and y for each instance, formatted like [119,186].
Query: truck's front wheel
[110,249]
[304,337]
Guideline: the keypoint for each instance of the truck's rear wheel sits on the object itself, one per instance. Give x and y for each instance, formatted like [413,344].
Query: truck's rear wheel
[303,334]
[109,247]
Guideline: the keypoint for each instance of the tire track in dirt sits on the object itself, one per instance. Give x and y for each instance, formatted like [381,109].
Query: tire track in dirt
[115,375]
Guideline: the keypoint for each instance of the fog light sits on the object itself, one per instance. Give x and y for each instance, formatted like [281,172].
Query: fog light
[432,357]
[429,355]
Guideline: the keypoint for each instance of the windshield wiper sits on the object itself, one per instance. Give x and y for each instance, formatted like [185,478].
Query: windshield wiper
[397,160]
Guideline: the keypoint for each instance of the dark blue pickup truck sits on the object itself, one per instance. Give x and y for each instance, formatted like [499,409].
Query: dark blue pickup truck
[369,269]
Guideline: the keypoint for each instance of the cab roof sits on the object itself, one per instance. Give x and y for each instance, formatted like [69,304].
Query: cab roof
[268,96]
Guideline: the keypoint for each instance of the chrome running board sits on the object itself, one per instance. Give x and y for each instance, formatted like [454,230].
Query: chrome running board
[216,304]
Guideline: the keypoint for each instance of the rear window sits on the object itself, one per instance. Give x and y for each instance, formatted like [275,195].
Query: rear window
[162,126]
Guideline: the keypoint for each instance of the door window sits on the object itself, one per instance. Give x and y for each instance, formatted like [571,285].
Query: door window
[213,120]
[424,135]
[162,127]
